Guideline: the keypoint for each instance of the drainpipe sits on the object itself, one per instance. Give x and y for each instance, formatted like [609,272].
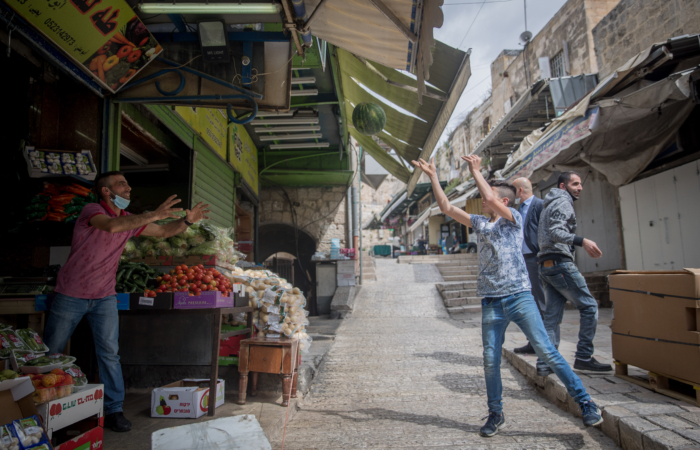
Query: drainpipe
[358,214]
[300,12]
[348,214]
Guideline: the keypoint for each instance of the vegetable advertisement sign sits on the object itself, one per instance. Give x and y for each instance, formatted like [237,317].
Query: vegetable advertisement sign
[243,155]
[105,37]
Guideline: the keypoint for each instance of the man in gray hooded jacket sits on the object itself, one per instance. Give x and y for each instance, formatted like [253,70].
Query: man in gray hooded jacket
[561,278]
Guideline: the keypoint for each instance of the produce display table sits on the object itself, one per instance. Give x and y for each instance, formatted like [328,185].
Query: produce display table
[215,320]
[382,250]
[267,355]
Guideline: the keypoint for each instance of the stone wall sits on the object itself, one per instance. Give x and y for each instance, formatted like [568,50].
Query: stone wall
[374,202]
[320,212]
[634,25]
[467,135]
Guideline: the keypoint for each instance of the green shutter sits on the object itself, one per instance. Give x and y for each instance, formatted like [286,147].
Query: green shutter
[213,184]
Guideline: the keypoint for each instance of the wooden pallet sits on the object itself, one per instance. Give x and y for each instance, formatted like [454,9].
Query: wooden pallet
[663,384]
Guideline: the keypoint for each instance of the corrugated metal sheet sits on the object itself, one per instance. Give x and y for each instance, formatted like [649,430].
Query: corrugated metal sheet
[213,183]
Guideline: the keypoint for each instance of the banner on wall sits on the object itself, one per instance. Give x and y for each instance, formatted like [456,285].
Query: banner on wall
[210,124]
[105,37]
[243,155]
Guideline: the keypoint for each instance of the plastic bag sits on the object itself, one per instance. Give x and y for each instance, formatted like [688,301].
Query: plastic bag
[196,240]
[164,245]
[10,341]
[30,433]
[79,378]
[207,248]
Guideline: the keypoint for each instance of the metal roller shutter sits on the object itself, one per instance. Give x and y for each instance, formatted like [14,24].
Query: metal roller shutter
[213,183]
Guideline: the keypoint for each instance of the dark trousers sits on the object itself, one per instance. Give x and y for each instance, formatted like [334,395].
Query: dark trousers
[537,286]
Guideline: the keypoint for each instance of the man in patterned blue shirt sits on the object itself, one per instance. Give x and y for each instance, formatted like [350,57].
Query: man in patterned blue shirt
[504,284]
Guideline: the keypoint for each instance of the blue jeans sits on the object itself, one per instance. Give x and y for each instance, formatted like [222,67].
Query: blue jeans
[564,282]
[103,318]
[496,314]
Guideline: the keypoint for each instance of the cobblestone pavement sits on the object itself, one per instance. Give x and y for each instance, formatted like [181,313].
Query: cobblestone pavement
[403,374]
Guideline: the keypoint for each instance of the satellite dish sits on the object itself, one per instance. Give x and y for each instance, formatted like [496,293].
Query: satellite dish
[525,37]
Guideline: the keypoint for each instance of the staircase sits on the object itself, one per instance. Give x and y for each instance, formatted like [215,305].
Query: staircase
[368,271]
[459,288]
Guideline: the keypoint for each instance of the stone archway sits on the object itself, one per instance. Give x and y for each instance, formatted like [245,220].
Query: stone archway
[281,237]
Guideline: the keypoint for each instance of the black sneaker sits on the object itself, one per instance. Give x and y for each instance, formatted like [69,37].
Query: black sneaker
[493,424]
[526,350]
[544,371]
[592,365]
[591,414]
[117,422]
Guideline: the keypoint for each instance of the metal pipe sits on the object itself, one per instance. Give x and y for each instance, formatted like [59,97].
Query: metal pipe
[300,11]
[359,210]
[348,212]
[289,24]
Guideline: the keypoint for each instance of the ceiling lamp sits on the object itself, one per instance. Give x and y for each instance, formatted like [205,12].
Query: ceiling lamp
[287,137]
[294,121]
[210,8]
[287,129]
[214,42]
[301,145]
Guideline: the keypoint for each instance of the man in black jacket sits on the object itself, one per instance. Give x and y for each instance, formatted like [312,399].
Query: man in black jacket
[530,208]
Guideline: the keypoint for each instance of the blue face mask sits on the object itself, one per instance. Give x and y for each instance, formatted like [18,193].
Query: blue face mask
[120,202]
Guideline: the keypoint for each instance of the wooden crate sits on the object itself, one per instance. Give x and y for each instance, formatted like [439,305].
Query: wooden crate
[663,384]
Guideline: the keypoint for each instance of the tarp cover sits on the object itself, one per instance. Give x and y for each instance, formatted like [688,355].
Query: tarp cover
[627,134]
[404,133]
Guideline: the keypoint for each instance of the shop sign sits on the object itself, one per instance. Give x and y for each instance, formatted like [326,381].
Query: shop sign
[105,37]
[243,155]
[210,124]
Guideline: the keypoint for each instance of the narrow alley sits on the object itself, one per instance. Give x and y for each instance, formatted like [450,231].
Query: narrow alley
[403,374]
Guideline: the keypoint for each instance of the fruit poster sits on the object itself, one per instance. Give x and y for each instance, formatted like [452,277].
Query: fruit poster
[105,37]
[243,155]
[209,123]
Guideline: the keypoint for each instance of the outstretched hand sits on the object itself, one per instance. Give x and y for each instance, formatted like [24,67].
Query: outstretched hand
[428,169]
[197,213]
[474,163]
[166,210]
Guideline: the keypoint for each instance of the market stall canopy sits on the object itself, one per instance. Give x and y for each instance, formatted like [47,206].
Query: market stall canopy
[414,129]
[461,201]
[537,107]
[620,134]
[399,203]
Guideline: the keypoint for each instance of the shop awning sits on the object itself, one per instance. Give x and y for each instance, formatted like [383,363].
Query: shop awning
[530,113]
[419,221]
[620,135]
[393,206]
[460,201]
[415,130]
[400,202]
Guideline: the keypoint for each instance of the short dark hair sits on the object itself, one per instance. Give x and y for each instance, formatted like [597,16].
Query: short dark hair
[565,177]
[504,189]
[102,180]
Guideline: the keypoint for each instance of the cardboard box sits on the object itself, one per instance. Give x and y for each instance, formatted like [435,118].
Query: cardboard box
[89,440]
[162,300]
[346,267]
[656,319]
[62,412]
[184,399]
[16,400]
[345,279]
[207,299]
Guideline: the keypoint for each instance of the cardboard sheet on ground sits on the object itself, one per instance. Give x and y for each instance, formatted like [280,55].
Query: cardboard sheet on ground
[229,433]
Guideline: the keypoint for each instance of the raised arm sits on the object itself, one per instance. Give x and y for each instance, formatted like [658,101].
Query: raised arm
[171,229]
[443,202]
[474,163]
[134,221]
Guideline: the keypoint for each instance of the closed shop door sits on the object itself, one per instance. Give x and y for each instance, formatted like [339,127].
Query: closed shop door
[213,184]
[659,220]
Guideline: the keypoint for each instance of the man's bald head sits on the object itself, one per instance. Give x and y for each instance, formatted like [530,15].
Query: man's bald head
[523,188]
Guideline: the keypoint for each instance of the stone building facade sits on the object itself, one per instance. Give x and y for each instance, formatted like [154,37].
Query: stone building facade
[563,47]
[320,212]
[373,202]
[634,25]
[464,139]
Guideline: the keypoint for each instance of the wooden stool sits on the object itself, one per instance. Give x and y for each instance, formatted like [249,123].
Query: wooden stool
[268,356]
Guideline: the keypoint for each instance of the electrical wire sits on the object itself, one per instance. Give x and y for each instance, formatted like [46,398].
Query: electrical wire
[472,24]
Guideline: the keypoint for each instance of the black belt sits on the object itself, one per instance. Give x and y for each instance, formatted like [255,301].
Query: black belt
[555,258]
[530,256]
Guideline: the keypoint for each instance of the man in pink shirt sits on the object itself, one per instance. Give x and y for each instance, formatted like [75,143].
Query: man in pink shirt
[85,285]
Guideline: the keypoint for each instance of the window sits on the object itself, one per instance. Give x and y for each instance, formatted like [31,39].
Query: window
[485,126]
[556,65]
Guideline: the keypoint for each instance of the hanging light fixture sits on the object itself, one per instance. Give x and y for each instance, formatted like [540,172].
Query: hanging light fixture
[210,8]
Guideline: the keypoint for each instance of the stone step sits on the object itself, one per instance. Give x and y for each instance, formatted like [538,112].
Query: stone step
[461,301]
[459,293]
[459,277]
[455,286]
[464,309]
[459,271]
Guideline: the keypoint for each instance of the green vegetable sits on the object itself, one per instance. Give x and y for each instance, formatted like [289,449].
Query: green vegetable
[207,248]
[130,246]
[146,245]
[32,340]
[178,242]
[179,252]
[196,240]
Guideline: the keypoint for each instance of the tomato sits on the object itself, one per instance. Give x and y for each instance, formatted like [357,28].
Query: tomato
[190,272]
[216,273]
[191,294]
[182,281]
[199,276]
[204,287]
[172,272]
[190,277]
[213,283]
[178,271]
[152,294]
[201,266]
[159,279]
[134,56]
[166,277]
[180,276]
[183,267]
[207,279]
